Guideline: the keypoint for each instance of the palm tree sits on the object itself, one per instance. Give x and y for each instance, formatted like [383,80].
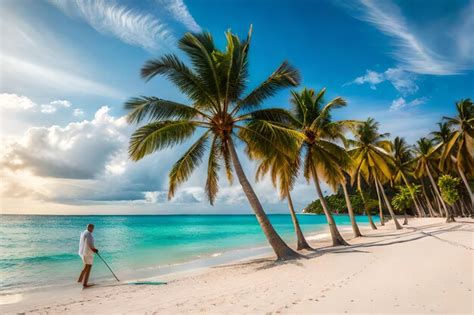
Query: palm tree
[425,161]
[322,158]
[371,159]
[215,86]
[350,210]
[460,145]
[284,173]
[403,158]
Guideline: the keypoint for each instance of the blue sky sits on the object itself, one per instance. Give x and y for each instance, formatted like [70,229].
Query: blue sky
[67,68]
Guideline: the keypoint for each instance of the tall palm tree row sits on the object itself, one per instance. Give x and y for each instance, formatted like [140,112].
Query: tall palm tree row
[221,112]
[403,157]
[459,143]
[322,158]
[370,152]
[283,172]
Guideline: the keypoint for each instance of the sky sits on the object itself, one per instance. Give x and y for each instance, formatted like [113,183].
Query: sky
[67,67]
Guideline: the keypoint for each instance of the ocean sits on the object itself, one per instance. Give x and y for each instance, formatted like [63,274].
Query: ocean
[41,251]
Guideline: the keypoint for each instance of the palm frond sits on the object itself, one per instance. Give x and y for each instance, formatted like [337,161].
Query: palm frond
[159,135]
[285,76]
[153,108]
[270,138]
[200,48]
[183,77]
[212,181]
[183,168]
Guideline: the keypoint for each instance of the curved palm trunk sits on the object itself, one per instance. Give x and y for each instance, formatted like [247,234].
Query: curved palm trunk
[382,220]
[405,221]
[301,241]
[281,249]
[464,179]
[449,216]
[438,204]
[428,202]
[355,228]
[389,206]
[418,210]
[420,205]
[367,212]
[337,238]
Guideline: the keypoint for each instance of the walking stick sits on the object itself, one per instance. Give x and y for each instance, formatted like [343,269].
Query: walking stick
[108,266]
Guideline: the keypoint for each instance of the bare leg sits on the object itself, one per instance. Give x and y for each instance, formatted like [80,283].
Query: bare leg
[82,273]
[86,275]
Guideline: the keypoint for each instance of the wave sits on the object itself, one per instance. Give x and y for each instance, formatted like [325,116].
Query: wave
[7,262]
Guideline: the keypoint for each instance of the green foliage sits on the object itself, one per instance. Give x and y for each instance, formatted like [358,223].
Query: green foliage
[403,199]
[337,203]
[449,188]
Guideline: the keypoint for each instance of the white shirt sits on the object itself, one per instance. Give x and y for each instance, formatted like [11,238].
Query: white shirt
[86,243]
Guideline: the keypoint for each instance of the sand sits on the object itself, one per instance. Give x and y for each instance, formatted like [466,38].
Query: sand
[425,268]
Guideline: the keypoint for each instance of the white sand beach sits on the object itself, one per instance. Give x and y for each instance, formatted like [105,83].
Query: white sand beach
[425,268]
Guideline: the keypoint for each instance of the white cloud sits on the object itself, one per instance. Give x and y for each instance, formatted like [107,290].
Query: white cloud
[411,47]
[78,112]
[371,77]
[128,25]
[85,163]
[78,150]
[402,81]
[411,122]
[54,105]
[400,103]
[180,12]
[15,102]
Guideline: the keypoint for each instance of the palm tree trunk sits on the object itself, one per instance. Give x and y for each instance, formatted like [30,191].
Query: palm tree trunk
[449,217]
[389,206]
[382,220]
[420,205]
[466,183]
[367,212]
[301,241]
[281,249]
[337,238]
[355,228]
[412,195]
[438,203]
[428,202]
[405,221]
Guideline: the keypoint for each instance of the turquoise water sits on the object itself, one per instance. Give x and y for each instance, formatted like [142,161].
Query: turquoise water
[37,251]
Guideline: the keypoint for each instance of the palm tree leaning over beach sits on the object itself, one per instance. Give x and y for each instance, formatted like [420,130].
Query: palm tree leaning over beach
[215,86]
[403,160]
[322,158]
[371,158]
[460,146]
[426,162]
[283,173]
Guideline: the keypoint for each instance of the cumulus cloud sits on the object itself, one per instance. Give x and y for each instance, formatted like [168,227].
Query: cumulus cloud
[78,150]
[128,25]
[19,112]
[85,162]
[402,81]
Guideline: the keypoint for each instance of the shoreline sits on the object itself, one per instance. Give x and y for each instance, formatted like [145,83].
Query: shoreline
[298,286]
[205,262]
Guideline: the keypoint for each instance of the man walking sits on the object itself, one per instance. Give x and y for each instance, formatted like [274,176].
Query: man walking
[86,251]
